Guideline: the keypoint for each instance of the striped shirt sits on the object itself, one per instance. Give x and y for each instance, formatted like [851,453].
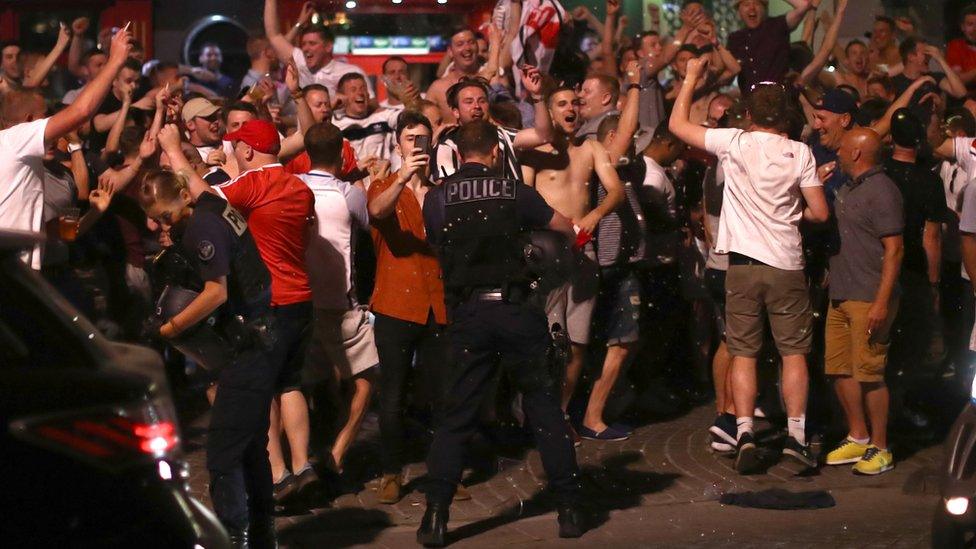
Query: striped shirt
[446,160]
[620,234]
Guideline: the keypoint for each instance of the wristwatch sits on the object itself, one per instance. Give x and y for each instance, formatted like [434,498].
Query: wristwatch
[74,147]
[633,86]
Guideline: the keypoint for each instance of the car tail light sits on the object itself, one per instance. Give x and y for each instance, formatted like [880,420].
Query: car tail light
[107,437]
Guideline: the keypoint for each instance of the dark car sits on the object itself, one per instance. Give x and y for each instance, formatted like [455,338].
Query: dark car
[955,516]
[91,453]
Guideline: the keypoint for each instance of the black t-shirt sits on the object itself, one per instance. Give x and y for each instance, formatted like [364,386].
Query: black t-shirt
[532,210]
[902,82]
[924,200]
[96,139]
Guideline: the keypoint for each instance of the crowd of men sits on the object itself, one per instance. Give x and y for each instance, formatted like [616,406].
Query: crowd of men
[736,206]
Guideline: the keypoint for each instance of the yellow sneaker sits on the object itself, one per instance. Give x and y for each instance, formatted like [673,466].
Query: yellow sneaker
[874,462]
[849,451]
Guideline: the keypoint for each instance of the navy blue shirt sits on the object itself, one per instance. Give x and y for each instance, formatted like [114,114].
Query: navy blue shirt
[822,155]
[532,210]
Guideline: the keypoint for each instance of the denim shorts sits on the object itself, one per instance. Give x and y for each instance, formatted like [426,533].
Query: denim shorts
[616,316]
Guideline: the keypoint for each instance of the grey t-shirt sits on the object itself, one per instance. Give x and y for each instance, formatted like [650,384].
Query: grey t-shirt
[868,209]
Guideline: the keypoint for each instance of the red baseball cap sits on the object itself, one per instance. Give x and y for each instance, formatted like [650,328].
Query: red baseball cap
[261,135]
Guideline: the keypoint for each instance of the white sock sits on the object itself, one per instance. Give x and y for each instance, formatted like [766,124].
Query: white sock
[797,428]
[863,441]
[742,425]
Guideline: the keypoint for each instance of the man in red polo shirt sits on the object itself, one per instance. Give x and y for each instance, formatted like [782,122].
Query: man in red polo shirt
[278,207]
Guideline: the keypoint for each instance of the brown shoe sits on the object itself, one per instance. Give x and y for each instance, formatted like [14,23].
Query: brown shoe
[390,489]
[462,493]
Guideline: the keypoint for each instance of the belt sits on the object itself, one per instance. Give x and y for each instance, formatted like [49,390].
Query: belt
[739,259]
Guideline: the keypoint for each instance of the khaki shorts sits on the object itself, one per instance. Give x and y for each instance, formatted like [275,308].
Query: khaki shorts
[849,349]
[755,292]
[571,305]
[342,341]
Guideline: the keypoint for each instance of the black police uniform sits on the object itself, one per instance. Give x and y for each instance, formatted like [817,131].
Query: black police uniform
[216,242]
[474,219]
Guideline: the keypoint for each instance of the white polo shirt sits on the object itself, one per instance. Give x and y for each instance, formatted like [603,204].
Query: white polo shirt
[339,208]
[328,75]
[22,182]
[762,205]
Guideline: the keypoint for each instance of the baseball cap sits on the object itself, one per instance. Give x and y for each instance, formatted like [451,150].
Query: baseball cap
[261,135]
[198,106]
[837,102]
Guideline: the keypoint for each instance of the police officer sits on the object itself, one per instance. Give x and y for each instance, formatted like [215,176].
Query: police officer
[234,297]
[474,220]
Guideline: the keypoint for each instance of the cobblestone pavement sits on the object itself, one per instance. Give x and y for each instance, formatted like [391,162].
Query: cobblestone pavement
[659,488]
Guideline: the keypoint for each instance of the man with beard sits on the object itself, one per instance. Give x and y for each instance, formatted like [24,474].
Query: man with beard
[562,171]
[203,125]
[314,59]
[469,101]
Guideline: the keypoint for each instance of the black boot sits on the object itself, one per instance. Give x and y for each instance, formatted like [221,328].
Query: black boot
[433,527]
[238,538]
[570,521]
[262,533]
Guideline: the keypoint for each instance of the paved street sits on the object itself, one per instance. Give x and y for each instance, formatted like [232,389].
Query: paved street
[660,488]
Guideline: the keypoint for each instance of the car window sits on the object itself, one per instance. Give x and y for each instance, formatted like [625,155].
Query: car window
[32,332]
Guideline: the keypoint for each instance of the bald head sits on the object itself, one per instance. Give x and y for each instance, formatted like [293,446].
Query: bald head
[858,151]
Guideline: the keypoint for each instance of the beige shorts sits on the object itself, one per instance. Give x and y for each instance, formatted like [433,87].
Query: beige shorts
[850,351]
[757,292]
[343,342]
[571,305]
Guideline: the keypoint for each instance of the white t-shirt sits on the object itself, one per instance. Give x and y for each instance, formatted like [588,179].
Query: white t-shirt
[964,149]
[658,196]
[22,181]
[328,75]
[338,207]
[762,205]
[374,135]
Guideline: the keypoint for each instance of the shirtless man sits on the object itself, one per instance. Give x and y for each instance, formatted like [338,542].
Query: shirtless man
[562,171]
[883,48]
[464,51]
[855,67]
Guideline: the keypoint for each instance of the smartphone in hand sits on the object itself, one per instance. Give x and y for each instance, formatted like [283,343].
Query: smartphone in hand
[422,142]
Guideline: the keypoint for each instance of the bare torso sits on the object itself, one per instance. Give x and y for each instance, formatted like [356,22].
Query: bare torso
[562,176]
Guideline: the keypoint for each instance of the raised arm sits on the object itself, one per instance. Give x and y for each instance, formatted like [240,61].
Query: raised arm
[951,84]
[809,27]
[800,9]
[305,118]
[169,140]
[659,63]
[629,116]
[490,70]
[92,95]
[609,36]
[514,22]
[115,133]
[883,126]
[42,69]
[680,124]
[272,29]
[78,28]
[308,8]
[79,168]
[823,54]
[384,204]
[542,132]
